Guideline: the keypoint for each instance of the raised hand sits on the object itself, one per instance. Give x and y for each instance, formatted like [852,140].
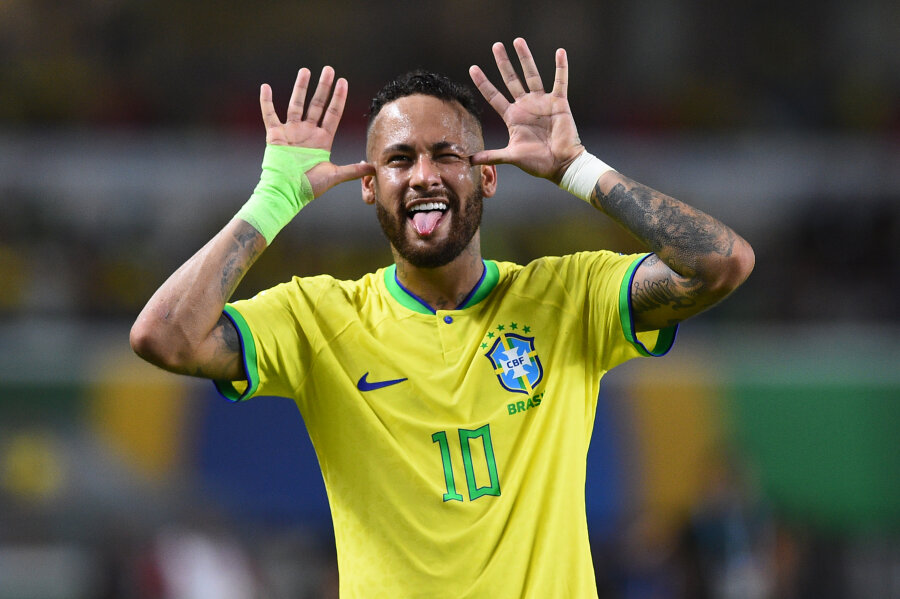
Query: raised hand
[543,139]
[312,125]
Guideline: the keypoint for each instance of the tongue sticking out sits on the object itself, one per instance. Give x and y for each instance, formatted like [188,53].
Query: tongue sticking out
[425,222]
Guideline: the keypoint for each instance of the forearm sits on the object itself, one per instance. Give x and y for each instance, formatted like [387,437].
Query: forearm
[182,328]
[689,241]
[700,260]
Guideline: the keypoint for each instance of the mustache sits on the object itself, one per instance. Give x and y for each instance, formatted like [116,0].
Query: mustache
[428,195]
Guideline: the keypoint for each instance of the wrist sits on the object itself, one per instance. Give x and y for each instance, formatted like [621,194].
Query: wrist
[583,174]
[283,188]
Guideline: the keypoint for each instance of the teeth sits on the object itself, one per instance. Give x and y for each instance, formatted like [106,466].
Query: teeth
[428,207]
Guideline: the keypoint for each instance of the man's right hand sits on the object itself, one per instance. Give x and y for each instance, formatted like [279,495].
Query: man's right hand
[314,129]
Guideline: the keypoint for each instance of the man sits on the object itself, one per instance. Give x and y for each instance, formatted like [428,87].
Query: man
[450,399]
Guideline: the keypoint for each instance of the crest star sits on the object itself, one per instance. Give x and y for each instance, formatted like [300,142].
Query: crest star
[500,327]
[513,326]
[484,346]
[526,329]
[491,335]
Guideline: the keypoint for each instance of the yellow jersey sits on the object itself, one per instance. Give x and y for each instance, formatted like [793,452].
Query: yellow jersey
[452,443]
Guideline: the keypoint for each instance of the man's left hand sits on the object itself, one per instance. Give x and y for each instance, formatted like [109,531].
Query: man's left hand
[543,139]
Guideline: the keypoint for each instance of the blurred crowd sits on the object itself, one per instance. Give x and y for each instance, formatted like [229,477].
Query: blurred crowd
[824,259]
[731,545]
[695,65]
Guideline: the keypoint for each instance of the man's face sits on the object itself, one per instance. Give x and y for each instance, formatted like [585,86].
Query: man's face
[427,194]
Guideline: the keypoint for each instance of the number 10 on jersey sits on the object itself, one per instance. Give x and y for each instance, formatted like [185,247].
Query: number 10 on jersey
[465,445]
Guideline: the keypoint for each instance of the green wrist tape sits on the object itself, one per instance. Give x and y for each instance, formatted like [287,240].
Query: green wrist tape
[283,188]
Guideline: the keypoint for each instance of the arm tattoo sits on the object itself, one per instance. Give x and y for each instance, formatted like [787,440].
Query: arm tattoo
[701,256]
[228,349]
[225,329]
[652,294]
[242,253]
[679,233]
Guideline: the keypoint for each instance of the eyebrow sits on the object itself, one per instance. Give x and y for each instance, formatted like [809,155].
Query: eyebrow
[407,148]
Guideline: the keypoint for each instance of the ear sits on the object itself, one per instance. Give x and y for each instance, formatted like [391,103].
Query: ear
[488,179]
[367,184]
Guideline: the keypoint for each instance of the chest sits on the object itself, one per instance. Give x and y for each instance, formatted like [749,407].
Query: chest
[466,366]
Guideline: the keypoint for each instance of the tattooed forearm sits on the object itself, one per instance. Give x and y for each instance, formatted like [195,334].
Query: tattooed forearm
[677,232]
[242,253]
[232,272]
[697,260]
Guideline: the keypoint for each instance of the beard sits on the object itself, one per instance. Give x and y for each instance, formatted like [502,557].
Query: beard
[464,224]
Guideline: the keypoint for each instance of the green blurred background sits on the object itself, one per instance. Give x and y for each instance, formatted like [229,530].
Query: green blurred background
[759,459]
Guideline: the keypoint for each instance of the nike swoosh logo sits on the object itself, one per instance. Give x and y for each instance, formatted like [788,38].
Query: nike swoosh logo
[364,385]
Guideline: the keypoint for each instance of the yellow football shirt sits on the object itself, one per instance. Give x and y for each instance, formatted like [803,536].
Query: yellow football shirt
[453,443]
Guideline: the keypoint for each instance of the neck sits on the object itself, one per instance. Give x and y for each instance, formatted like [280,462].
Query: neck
[444,287]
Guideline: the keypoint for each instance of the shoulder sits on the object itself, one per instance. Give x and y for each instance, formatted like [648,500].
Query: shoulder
[320,289]
[566,266]
[570,280]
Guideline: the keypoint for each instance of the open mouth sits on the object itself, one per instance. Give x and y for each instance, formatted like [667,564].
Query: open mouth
[426,216]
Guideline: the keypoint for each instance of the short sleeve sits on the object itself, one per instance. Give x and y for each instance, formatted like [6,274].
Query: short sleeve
[604,278]
[650,343]
[276,350]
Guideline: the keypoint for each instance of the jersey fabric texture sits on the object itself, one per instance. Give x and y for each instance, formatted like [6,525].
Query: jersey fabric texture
[453,443]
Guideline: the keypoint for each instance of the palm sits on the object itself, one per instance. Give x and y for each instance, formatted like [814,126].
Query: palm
[312,125]
[543,138]
[299,133]
[541,133]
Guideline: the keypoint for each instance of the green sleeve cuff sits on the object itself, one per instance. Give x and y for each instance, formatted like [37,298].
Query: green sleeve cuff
[227,389]
[666,337]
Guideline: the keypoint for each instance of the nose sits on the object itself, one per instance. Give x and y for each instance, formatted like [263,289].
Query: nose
[425,174]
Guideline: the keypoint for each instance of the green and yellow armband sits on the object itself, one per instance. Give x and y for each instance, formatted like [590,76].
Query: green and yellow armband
[283,188]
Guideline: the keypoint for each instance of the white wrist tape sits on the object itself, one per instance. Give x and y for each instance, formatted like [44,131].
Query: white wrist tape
[581,176]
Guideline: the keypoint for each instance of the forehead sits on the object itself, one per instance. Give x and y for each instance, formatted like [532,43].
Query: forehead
[420,120]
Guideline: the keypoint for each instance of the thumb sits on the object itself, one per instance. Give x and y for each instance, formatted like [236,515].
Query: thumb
[349,172]
[326,175]
[491,156]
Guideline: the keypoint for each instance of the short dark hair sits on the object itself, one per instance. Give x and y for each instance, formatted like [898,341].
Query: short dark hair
[428,83]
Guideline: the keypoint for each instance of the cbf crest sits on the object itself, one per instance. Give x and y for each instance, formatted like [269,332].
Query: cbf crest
[514,359]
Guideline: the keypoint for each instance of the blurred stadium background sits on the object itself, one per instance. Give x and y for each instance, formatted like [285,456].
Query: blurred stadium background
[759,460]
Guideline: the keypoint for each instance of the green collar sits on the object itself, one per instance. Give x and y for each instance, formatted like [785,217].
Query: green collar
[408,299]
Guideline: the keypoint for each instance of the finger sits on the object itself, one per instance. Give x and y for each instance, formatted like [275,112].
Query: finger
[529,69]
[269,116]
[507,71]
[493,96]
[491,157]
[561,78]
[326,175]
[336,107]
[320,98]
[349,172]
[298,96]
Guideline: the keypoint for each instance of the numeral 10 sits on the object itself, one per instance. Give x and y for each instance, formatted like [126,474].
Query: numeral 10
[465,438]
